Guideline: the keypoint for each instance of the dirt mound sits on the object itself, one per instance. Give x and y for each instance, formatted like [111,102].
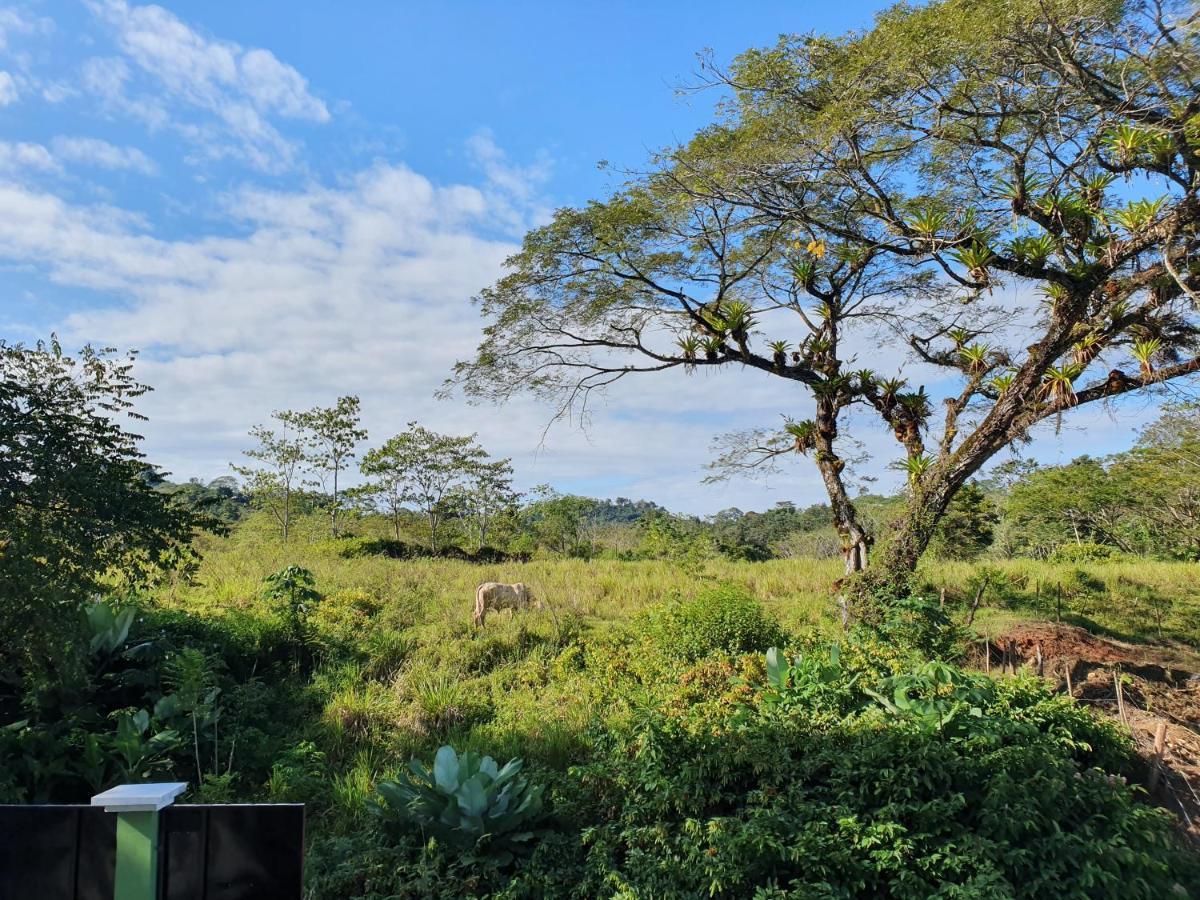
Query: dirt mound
[1151,690]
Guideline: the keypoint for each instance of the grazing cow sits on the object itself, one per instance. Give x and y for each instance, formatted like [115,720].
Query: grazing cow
[491,595]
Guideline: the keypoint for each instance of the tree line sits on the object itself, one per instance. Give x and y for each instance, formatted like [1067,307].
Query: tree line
[307,453]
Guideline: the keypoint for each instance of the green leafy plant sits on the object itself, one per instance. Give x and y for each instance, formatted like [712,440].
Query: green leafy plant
[723,619]
[466,800]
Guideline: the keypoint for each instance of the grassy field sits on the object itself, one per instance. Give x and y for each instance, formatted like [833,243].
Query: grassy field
[1135,599]
[398,668]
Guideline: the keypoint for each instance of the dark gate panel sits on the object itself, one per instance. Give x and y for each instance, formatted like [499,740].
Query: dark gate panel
[226,852]
[57,852]
[233,852]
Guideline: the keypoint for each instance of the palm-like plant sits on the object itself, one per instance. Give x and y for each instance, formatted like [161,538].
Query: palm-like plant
[1144,351]
[975,357]
[779,351]
[1086,349]
[1058,385]
[975,258]
[713,347]
[916,466]
[865,377]
[803,433]
[689,347]
[1138,214]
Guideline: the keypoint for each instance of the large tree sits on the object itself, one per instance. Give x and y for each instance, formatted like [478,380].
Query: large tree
[78,507]
[923,180]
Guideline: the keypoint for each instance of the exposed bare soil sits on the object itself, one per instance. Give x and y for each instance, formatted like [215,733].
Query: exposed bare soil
[1153,690]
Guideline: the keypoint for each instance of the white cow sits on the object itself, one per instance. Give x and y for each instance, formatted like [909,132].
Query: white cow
[492,595]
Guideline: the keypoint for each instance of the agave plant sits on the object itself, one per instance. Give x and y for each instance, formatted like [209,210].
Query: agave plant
[865,377]
[689,346]
[1013,191]
[960,336]
[1138,214]
[803,433]
[917,466]
[975,357]
[462,800]
[1058,384]
[779,350]
[1071,213]
[975,258]
[1161,147]
[928,222]
[1055,293]
[1144,351]
[916,404]
[890,388]
[1092,189]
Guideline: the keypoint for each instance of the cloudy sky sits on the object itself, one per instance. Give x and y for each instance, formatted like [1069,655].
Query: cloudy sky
[278,203]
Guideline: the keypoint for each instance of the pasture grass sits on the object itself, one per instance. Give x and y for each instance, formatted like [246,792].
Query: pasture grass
[401,669]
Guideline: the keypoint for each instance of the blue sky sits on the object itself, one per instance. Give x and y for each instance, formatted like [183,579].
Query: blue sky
[281,202]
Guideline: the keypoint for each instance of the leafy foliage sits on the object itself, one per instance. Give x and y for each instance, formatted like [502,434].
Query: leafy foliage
[719,620]
[466,800]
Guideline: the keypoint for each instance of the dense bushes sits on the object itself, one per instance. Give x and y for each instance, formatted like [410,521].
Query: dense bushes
[936,784]
[722,619]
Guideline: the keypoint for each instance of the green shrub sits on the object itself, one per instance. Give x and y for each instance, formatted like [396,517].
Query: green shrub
[1083,552]
[1000,799]
[724,619]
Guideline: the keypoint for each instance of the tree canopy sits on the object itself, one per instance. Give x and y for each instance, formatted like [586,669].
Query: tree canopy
[1007,189]
[77,501]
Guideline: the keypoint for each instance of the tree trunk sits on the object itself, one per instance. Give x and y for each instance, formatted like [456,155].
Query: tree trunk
[287,509]
[855,540]
[333,510]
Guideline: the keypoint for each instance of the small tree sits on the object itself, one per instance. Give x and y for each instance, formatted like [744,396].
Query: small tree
[485,498]
[331,435]
[272,482]
[423,468]
[77,501]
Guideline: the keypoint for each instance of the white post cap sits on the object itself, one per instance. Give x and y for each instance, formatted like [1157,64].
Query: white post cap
[139,797]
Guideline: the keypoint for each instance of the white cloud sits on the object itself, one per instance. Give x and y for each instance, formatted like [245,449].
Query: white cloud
[13,22]
[102,154]
[18,156]
[240,89]
[514,190]
[8,89]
